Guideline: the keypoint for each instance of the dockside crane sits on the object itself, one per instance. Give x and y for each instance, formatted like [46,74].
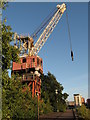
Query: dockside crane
[31,65]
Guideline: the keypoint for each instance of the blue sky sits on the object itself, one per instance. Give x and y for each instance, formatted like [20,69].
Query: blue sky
[24,18]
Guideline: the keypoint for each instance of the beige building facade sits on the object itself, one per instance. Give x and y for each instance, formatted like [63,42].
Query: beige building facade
[77,100]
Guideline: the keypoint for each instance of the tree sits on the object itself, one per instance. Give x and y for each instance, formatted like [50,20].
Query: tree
[49,85]
[83,113]
[3,4]
[65,96]
[9,53]
[16,104]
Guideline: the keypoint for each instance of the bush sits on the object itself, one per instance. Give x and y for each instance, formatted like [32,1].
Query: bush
[45,107]
[83,112]
[19,104]
[62,107]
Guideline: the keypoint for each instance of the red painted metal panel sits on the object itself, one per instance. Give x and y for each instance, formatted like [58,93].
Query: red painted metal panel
[28,64]
[31,62]
[16,66]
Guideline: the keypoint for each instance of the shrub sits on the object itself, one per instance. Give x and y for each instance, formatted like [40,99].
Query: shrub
[83,112]
[62,107]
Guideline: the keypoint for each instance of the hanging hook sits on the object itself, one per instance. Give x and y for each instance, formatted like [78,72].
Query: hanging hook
[72,55]
[69,35]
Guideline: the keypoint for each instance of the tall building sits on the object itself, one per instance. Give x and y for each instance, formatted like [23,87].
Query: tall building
[83,100]
[77,100]
[88,102]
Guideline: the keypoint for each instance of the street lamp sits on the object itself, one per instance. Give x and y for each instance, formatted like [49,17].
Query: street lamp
[37,107]
[37,73]
[56,91]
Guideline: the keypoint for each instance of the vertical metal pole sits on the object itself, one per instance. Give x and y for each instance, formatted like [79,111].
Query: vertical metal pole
[56,91]
[37,107]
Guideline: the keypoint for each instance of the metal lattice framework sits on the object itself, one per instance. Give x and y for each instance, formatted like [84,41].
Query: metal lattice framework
[48,30]
[25,44]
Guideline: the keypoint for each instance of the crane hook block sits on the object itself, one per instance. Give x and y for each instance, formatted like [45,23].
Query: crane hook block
[72,55]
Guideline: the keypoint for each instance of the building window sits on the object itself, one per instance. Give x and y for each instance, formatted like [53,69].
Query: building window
[37,61]
[78,100]
[21,67]
[39,89]
[24,60]
[41,62]
[31,76]
[33,59]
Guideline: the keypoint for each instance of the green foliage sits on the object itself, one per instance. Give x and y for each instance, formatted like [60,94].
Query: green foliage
[3,4]
[19,104]
[9,53]
[45,107]
[83,112]
[49,85]
[62,107]
[15,103]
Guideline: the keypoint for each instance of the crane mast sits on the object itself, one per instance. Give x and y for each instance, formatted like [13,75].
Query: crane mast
[48,30]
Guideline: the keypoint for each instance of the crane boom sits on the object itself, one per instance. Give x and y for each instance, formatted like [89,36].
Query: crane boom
[25,43]
[48,30]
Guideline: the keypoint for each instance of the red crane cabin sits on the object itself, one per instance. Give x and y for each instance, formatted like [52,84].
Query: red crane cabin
[30,68]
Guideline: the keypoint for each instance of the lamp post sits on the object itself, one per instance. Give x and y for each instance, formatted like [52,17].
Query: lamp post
[56,91]
[37,74]
[37,107]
